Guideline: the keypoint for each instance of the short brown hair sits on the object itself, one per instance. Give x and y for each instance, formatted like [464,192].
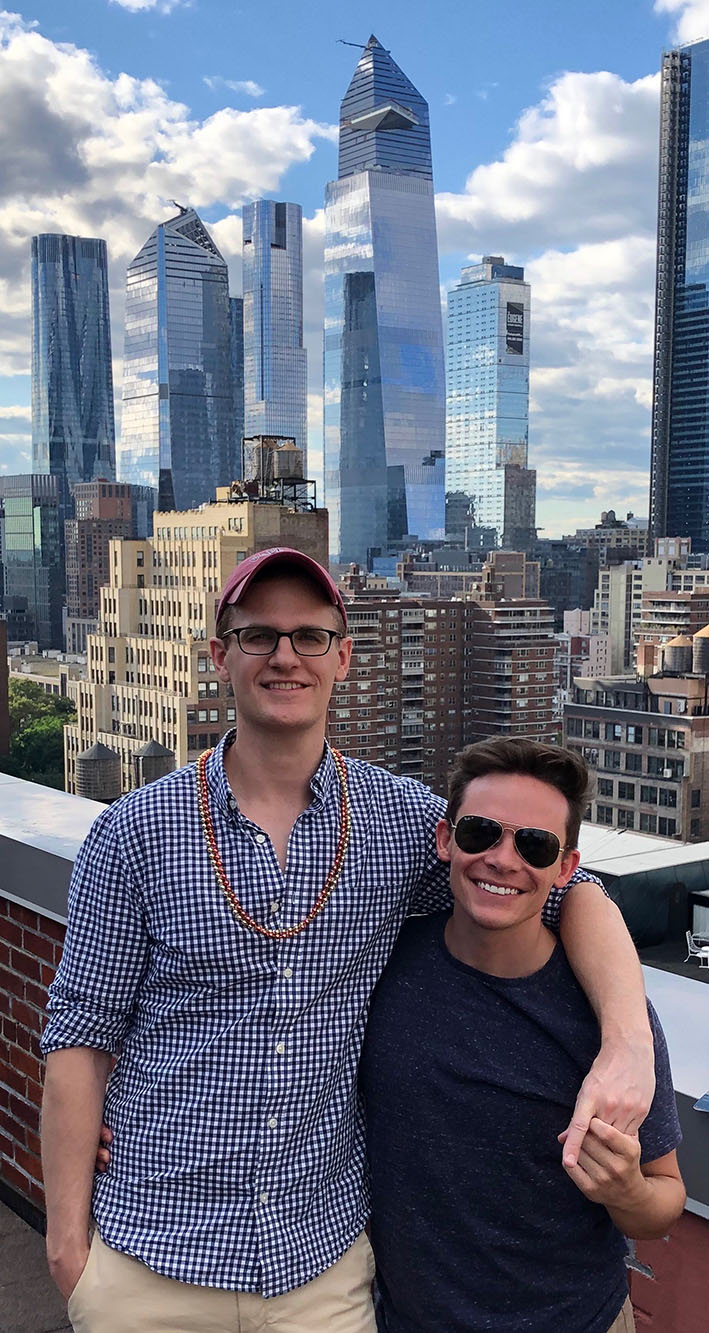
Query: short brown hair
[560,768]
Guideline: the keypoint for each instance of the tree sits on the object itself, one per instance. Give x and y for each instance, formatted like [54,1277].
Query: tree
[36,733]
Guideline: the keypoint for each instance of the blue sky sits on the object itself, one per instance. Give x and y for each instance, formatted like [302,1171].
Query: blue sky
[544,129]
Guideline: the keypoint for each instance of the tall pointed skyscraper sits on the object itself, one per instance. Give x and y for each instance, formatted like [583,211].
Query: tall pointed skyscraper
[72,380]
[178,432]
[384,387]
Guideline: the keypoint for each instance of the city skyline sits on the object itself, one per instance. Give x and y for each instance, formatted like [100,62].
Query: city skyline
[512,173]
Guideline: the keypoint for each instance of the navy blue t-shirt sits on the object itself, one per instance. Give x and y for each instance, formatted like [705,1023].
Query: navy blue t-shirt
[467,1080]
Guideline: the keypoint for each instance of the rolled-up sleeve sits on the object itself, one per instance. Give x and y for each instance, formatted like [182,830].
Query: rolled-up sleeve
[105,954]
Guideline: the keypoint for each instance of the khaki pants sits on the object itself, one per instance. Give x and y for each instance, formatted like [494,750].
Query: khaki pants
[625,1323]
[118,1294]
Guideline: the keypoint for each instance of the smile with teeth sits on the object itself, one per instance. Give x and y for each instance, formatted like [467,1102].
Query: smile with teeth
[284,685]
[496,888]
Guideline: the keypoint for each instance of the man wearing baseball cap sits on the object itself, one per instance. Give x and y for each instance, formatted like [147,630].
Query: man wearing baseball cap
[227,925]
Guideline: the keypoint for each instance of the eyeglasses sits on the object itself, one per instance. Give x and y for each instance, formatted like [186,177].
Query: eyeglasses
[262,641]
[537,846]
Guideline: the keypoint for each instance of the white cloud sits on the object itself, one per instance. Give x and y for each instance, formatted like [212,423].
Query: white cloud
[142,6]
[215,82]
[691,18]
[576,170]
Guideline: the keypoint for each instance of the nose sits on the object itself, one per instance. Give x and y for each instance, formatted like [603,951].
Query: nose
[284,653]
[504,855]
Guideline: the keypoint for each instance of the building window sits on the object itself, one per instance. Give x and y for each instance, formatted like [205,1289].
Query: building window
[668,797]
[649,795]
[633,763]
[613,731]
[666,827]
[605,787]
[604,814]
[611,758]
[696,798]
[626,818]
[648,823]
[635,735]
[626,791]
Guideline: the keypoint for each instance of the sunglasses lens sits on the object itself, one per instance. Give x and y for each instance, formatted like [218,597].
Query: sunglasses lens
[538,846]
[474,833]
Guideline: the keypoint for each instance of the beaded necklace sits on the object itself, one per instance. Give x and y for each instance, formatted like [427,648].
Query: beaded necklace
[218,865]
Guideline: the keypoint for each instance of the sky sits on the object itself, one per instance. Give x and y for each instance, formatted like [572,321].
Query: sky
[544,130]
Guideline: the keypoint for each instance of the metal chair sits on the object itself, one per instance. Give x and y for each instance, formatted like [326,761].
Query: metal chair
[700,951]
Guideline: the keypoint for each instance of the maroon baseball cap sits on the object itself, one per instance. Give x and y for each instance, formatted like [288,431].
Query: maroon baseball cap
[243,575]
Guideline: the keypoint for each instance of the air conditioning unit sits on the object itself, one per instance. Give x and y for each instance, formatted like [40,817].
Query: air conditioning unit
[667,772]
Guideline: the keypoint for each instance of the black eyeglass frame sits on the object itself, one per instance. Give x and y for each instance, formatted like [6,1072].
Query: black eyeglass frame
[516,830]
[283,634]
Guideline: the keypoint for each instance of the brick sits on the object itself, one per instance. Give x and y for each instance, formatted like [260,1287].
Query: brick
[53,929]
[10,982]
[36,1194]
[11,1126]
[33,1143]
[46,974]
[16,1082]
[16,1179]
[26,1063]
[25,1114]
[4,954]
[22,1012]
[36,995]
[58,951]
[10,931]
[25,964]
[34,1093]
[25,917]
[38,945]
[6,1145]
[9,1029]
[4,1098]
[28,1162]
[4,907]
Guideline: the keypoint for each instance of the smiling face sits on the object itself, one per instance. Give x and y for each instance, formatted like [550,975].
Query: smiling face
[282,690]
[497,889]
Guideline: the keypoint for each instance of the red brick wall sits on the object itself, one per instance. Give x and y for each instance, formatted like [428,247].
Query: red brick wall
[30,948]
[675,1299]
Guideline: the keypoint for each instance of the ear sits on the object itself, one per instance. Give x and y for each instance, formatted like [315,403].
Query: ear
[444,835]
[344,654]
[218,654]
[569,863]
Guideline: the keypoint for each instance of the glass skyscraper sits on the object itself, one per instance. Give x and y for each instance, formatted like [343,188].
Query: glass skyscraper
[487,398]
[30,558]
[73,434]
[384,408]
[679,488]
[178,432]
[275,361]
[236,312]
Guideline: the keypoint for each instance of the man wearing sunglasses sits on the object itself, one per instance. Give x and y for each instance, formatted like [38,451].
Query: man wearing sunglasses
[227,926]
[478,1040]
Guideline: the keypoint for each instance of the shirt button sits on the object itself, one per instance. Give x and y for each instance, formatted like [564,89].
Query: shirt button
[263,1197]
[275,907]
[272,1122]
[232,803]
[288,971]
[260,837]
[280,1048]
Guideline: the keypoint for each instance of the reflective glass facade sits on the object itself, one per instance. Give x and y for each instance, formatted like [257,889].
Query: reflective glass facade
[275,361]
[73,434]
[178,433]
[30,555]
[679,493]
[384,392]
[236,311]
[487,387]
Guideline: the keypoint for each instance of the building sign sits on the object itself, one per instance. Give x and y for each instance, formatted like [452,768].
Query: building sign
[515,327]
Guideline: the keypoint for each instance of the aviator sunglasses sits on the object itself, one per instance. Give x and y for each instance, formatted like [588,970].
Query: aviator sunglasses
[476,833]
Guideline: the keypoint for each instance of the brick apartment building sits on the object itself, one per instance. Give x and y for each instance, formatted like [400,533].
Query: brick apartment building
[647,742]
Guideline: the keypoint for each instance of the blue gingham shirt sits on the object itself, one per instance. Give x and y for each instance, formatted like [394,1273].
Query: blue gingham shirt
[238,1158]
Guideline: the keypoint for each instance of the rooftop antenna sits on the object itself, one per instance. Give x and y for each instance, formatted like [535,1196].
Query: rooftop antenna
[359,45]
